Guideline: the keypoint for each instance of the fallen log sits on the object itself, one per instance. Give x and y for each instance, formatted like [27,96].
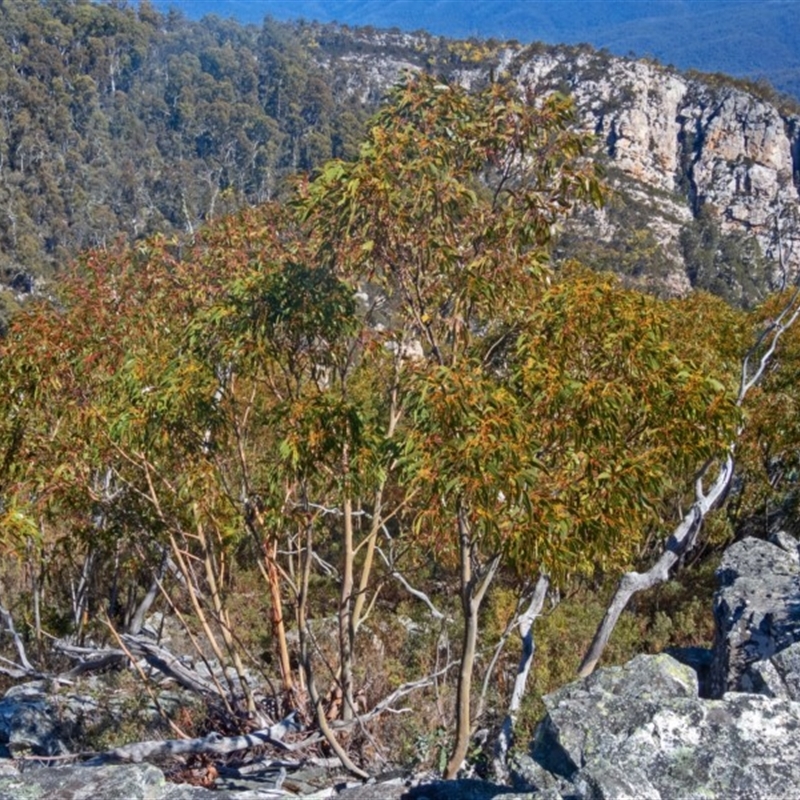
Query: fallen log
[92,659]
[168,664]
[89,659]
[212,744]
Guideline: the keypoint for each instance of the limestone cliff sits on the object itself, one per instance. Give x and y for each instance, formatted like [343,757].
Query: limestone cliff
[716,147]
[685,153]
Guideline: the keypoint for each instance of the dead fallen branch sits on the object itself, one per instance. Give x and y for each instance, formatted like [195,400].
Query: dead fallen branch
[89,659]
[24,669]
[212,744]
[161,659]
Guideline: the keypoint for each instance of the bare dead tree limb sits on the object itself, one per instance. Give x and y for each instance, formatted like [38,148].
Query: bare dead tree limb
[8,623]
[212,744]
[420,595]
[505,738]
[754,365]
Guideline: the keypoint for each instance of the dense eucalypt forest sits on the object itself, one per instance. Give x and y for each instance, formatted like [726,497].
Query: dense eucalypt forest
[352,441]
[119,121]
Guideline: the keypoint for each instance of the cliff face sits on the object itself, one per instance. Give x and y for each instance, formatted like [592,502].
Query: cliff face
[680,151]
[715,148]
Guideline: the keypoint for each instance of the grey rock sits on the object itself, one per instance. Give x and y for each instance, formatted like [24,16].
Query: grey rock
[700,660]
[110,782]
[527,774]
[757,613]
[762,677]
[137,782]
[640,731]
[778,676]
[29,722]
[466,789]
[376,791]
[787,666]
[786,542]
[585,715]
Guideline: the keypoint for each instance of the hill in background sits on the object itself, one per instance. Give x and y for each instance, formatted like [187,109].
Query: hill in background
[122,122]
[756,40]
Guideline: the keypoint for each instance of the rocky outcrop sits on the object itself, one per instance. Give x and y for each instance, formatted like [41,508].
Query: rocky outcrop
[673,144]
[440,790]
[29,723]
[641,731]
[635,731]
[757,616]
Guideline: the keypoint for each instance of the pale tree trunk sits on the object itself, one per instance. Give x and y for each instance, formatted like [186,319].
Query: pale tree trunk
[8,625]
[183,565]
[685,534]
[473,589]
[346,615]
[271,573]
[680,542]
[505,738]
[369,558]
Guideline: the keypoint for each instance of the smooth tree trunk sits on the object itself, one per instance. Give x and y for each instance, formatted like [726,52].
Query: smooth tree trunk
[358,614]
[505,738]
[473,589]
[369,559]
[271,574]
[140,614]
[305,636]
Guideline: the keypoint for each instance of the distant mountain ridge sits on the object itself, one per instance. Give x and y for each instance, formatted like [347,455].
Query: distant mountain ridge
[755,40]
[125,122]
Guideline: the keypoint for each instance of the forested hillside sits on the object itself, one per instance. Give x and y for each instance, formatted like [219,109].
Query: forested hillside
[349,443]
[121,121]
[124,122]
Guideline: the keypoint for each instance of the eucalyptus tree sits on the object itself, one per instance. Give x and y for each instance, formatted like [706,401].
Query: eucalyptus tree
[536,426]
[117,444]
[391,352]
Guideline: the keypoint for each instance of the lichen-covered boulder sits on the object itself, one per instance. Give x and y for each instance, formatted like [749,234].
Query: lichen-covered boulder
[132,782]
[585,716]
[29,722]
[108,782]
[641,731]
[757,614]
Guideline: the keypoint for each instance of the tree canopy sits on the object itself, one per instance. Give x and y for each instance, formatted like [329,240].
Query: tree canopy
[385,372]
